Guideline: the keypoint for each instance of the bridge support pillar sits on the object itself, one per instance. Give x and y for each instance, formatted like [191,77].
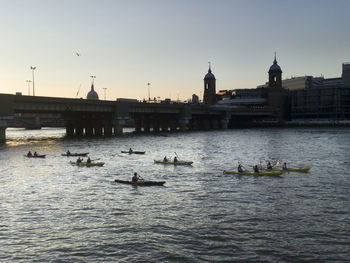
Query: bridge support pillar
[138,125]
[156,126]
[107,130]
[224,123]
[146,125]
[164,125]
[70,130]
[173,125]
[79,131]
[215,124]
[118,127]
[184,124]
[98,130]
[89,131]
[3,126]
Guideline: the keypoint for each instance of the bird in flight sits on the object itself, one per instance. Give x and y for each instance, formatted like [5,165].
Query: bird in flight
[78,54]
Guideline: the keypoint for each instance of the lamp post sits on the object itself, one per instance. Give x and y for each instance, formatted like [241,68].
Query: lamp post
[149,92]
[104,89]
[33,68]
[28,81]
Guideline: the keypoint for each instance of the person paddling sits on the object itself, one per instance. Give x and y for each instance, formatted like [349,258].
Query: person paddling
[284,166]
[68,153]
[269,166]
[79,160]
[239,168]
[256,169]
[135,178]
[29,154]
[165,159]
[88,160]
[175,159]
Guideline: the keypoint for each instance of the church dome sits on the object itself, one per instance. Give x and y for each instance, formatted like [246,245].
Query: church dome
[209,75]
[275,67]
[92,95]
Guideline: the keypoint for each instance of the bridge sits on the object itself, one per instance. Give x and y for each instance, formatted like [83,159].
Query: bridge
[107,118]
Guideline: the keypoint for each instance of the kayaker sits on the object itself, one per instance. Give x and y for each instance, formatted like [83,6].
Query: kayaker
[175,159]
[239,168]
[68,152]
[130,150]
[269,166]
[165,159]
[88,160]
[135,178]
[35,154]
[79,160]
[256,169]
[29,154]
[284,166]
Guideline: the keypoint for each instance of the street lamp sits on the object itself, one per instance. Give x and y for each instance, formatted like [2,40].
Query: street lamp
[28,81]
[33,68]
[104,89]
[149,94]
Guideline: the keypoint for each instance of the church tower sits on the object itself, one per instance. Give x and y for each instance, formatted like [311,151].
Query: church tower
[209,97]
[276,94]
[275,76]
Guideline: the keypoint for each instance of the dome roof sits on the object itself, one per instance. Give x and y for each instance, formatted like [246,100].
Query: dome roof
[275,67]
[209,75]
[92,95]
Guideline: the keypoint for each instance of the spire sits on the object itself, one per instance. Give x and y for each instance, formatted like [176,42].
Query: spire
[209,70]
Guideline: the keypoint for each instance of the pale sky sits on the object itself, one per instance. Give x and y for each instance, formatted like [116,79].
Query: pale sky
[168,43]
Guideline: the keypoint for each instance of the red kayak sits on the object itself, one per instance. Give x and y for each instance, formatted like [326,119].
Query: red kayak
[75,154]
[140,182]
[35,156]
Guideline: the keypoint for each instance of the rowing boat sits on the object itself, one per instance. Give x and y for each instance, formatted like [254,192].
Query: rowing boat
[140,182]
[88,164]
[174,163]
[303,170]
[35,156]
[75,154]
[134,152]
[275,173]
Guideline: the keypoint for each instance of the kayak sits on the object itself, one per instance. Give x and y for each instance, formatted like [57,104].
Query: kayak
[148,183]
[303,170]
[275,173]
[88,164]
[175,163]
[135,152]
[36,156]
[75,154]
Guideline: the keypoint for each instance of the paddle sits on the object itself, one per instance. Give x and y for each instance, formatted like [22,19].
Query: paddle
[177,156]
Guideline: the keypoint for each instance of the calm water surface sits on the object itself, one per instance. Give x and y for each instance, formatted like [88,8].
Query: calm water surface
[52,211]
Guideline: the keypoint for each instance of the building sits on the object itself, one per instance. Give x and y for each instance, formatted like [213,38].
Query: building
[209,97]
[92,95]
[325,99]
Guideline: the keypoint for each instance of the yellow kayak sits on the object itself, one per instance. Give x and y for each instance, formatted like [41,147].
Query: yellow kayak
[303,170]
[274,173]
[174,163]
[88,164]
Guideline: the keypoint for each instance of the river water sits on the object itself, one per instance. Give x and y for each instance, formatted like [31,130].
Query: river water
[52,211]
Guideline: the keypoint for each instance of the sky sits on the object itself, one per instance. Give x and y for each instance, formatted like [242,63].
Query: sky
[167,43]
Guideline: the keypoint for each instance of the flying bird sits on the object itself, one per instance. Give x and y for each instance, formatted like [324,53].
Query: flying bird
[78,54]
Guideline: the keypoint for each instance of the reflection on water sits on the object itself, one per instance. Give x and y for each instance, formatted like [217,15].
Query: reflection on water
[54,211]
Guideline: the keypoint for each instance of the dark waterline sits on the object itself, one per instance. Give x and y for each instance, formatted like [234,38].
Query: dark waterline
[52,211]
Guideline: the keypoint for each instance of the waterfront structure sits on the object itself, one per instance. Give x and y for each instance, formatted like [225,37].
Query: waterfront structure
[209,97]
